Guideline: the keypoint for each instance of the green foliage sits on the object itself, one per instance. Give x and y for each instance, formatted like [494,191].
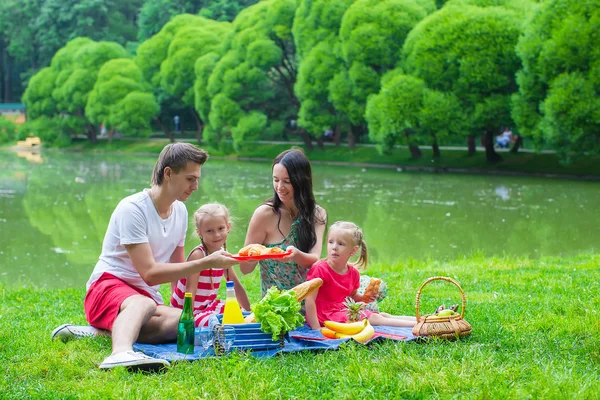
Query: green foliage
[8,130]
[255,73]
[249,128]
[468,52]
[154,14]
[76,79]
[559,83]
[121,99]
[315,30]
[197,38]
[38,95]
[372,34]
[51,131]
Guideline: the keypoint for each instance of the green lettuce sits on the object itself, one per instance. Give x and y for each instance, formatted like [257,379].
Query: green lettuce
[278,312]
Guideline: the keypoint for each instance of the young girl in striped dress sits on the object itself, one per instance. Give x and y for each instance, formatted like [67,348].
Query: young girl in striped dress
[212,226]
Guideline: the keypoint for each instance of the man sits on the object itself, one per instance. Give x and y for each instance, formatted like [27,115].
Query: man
[142,248]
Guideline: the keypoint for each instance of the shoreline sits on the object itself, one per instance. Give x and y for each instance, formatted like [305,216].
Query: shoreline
[264,152]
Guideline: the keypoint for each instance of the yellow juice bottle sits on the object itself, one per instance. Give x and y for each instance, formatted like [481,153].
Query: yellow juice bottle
[232,313]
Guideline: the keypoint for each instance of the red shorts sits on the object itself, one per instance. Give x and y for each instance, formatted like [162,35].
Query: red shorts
[104,298]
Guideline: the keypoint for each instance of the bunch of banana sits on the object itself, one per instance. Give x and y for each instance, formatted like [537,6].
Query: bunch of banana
[361,331]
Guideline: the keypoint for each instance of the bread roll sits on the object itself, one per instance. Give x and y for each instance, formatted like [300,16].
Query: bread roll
[372,289]
[252,250]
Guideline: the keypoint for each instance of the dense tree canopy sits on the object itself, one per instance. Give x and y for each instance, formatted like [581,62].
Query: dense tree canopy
[468,52]
[250,89]
[559,85]
[412,72]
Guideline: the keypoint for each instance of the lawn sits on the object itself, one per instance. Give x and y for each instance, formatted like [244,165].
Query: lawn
[536,334]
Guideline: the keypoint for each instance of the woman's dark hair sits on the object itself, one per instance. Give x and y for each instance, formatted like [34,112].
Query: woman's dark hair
[300,173]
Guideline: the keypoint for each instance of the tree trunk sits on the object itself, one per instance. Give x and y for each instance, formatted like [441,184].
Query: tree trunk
[415,151]
[306,139]
[471,145]
[490,152]
[337,135]
[166,130]
[91,134]
[351,138]
[320,143]
[6,70]
[435,147]
[199,124]
[518,144]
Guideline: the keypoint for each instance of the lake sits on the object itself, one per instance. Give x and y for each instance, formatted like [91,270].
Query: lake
[54,210]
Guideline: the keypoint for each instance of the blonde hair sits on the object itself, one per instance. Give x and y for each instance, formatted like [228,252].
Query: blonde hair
[212,210]
[357,240]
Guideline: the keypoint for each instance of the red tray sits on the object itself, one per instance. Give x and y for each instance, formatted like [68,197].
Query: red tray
[261,257]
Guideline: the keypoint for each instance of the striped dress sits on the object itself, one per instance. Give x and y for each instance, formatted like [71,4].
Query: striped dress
[205,300]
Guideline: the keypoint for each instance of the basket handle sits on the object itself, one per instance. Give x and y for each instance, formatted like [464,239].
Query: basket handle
[441,278]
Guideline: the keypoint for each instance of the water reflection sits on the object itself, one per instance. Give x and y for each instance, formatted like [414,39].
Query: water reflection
[53,216]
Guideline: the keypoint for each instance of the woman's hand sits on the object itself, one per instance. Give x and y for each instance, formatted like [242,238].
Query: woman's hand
[294,252]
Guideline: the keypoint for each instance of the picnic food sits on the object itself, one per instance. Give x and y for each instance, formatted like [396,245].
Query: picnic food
[302,291]
[372,290]
[347,328]
[364,335]
[274,250]
[252,250]
[353,309]
[278,312]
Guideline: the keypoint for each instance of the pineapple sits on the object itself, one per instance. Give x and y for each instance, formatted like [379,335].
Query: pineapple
[354,309]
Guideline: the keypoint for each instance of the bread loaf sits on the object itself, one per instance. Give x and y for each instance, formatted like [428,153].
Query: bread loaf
[306,288]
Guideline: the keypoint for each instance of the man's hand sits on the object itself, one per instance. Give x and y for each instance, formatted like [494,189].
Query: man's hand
[221,259]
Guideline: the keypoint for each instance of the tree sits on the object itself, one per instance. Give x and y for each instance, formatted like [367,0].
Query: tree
[315,29]
[31,31]
[371,35]
[77,66]
[250,88]
[177,73]
[38,95]
[154,14]
[468,52]
[406,110]
[559,85]
[121,100]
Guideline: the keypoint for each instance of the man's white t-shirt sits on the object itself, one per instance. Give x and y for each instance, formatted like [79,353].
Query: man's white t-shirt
[134,221]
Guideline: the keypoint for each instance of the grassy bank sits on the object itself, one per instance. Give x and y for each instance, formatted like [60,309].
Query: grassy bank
[536,334]
[451,160]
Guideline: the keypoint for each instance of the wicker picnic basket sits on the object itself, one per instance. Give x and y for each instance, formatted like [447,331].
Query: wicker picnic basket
[451,327]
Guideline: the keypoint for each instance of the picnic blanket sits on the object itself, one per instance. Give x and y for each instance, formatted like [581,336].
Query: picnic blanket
[300,339]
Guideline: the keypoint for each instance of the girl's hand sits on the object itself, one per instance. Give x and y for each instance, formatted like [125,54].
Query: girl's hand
[294,252]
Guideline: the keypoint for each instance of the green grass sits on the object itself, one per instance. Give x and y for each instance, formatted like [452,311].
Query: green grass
[451,160]
[536,334]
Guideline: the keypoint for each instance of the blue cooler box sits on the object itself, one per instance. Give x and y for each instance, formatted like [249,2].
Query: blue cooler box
[248,336]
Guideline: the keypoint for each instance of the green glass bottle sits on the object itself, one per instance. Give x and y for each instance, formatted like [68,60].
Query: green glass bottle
[185,330]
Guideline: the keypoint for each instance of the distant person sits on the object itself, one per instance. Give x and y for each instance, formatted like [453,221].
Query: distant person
[142,248]
[290,220]
[505,138]
[176,123]
[328,135]
[342,279]
[212,226]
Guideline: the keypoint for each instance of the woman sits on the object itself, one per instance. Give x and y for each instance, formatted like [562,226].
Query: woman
[290,220]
